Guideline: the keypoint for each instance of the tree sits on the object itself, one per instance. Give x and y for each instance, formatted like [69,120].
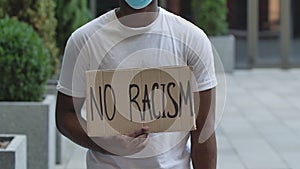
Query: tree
[70,15]
[40,15]
[210,15]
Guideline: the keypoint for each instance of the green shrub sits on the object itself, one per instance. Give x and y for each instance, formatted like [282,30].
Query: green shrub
[70,14]
[40,14]
[24,62]
[210,15]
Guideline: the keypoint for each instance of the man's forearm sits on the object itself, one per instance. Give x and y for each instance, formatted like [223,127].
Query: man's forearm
[70,123]
[204,155]
[74,129]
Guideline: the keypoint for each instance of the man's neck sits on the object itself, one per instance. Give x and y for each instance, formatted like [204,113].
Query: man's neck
[137,17]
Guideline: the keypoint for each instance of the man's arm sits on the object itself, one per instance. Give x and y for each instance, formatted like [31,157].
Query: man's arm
[204,155]
[70,123]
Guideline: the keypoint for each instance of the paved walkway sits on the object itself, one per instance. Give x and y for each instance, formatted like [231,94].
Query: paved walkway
[260,128]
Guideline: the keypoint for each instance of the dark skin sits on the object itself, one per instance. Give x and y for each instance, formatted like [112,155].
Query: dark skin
[204,155]
[137,18]
[72,125]
[125,9]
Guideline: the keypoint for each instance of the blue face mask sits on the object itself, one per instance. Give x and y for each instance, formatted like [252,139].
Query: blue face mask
[138,4]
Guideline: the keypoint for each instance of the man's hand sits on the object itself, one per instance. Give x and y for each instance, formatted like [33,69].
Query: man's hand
[124,145]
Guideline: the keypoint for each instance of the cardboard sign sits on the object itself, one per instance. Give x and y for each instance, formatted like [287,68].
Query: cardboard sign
[122,101]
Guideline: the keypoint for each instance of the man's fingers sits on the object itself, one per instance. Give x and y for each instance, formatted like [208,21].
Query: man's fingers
[143,136]
[144,130]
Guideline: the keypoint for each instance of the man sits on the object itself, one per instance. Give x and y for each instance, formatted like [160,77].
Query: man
[138,34]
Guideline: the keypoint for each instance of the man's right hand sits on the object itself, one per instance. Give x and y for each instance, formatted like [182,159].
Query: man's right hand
[124,145]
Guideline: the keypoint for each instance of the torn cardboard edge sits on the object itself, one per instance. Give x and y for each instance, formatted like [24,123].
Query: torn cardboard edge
[122,101]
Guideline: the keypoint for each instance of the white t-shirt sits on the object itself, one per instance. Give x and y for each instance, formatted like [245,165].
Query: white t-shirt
[105,43]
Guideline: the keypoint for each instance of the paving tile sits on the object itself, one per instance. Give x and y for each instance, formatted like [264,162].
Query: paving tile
[292,159]
[290,113]
[232,94]
[238,128]
[223,144]
[288,144]
[294,125]
[251,84]
[284,142]
[260,115]
[257,153]
[271,129]
[294,99]
[229,161]
[270,100]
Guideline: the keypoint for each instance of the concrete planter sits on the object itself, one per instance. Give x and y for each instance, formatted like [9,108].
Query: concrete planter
[64,147]
[14,155]
[37,121]
[225,48]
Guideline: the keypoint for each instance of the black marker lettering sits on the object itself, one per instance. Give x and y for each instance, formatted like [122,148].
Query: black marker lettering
[146,102]
[114,101]
[93,100]
[155,86]
[186,97]
[133,99]
[173,101]
[163,101]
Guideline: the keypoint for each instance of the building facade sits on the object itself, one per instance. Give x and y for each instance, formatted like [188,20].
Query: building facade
[267,31]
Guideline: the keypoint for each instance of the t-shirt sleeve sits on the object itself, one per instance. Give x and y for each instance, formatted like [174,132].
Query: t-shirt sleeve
[201,59]
[74,65]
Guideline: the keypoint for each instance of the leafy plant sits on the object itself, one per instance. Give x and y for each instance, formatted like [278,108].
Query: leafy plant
[40,14]
[210,15]
[24,62]
[70,15]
